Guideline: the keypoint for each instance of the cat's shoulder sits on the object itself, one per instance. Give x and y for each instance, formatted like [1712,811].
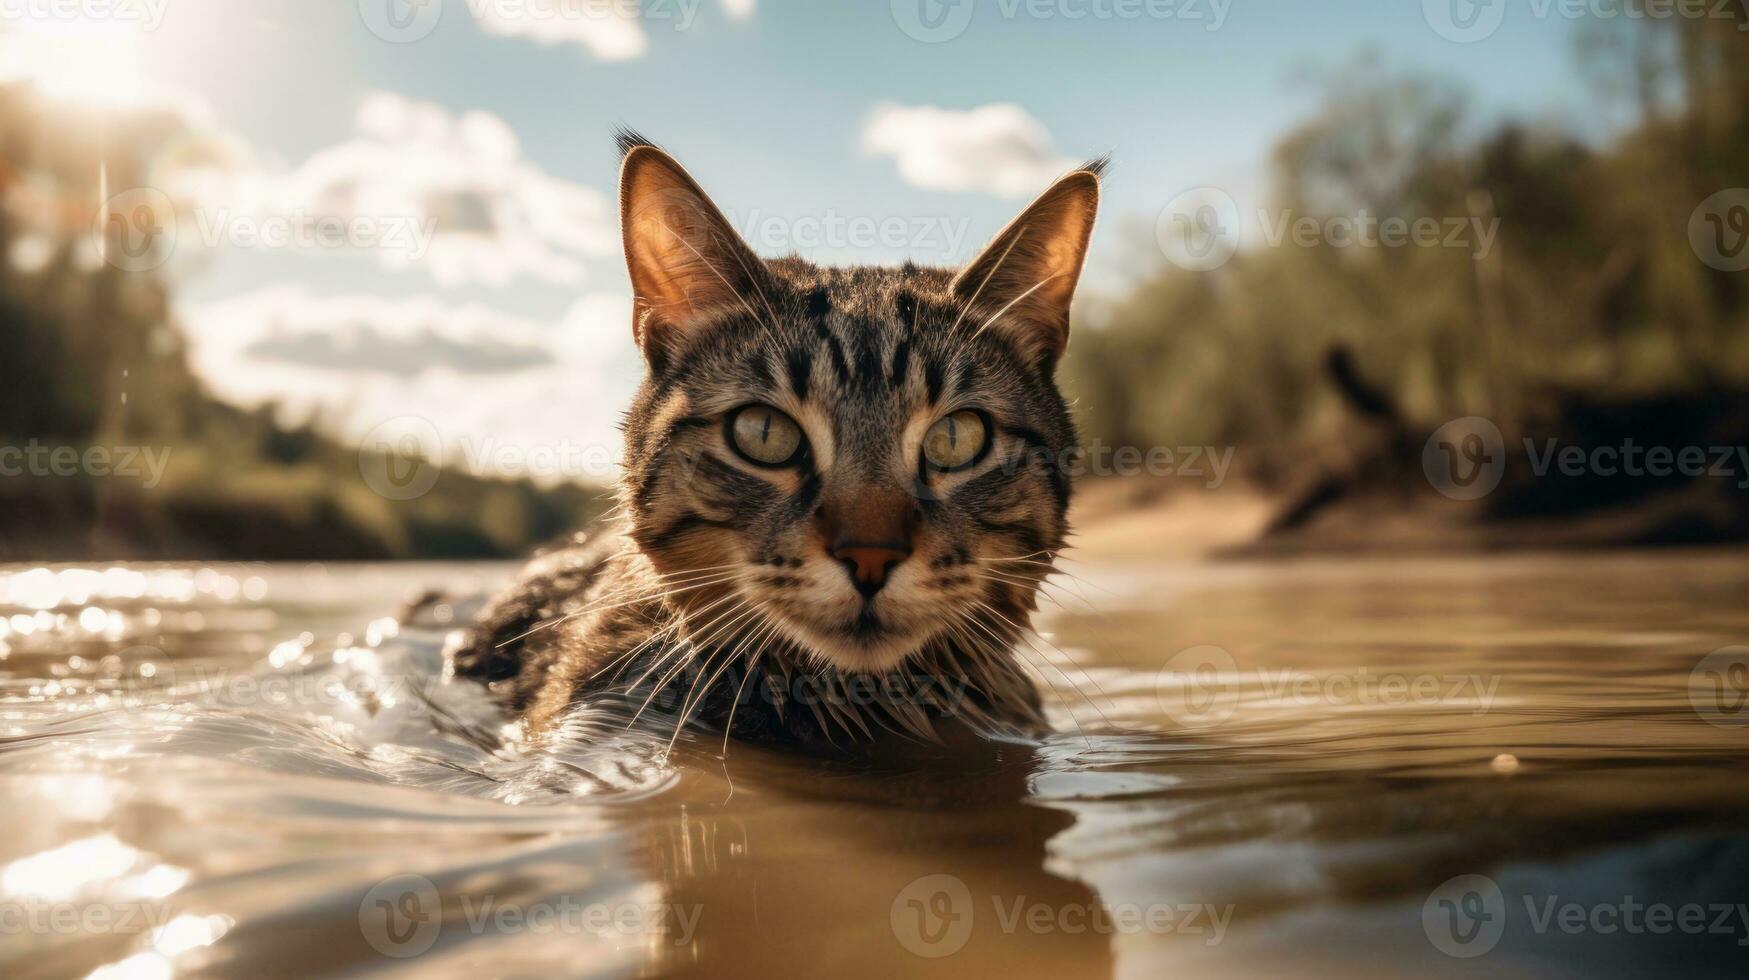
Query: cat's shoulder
[557,580]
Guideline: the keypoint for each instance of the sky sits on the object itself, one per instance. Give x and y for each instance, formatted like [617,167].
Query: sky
[476,293]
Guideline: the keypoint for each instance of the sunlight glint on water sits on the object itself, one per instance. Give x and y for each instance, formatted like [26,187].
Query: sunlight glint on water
[210,770]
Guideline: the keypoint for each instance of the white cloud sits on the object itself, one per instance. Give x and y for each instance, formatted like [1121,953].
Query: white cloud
[611,30]
[570,403]
[491,216]
[997,149]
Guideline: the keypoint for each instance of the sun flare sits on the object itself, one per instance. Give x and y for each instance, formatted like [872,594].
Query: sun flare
[84,62]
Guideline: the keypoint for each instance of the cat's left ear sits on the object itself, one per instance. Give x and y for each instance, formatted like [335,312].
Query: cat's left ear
[685,260]
[1021,285]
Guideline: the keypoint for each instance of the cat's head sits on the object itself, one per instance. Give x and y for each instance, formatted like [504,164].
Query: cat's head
[856,460]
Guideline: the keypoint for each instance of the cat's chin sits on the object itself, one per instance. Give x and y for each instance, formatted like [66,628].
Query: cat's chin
[870,653]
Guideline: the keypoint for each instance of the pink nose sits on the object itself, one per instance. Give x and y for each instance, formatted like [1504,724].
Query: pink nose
[869,564]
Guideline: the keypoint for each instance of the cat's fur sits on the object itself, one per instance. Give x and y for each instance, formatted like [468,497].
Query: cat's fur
[715,593]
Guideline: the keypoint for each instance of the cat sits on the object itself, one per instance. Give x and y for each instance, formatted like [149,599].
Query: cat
[841,492]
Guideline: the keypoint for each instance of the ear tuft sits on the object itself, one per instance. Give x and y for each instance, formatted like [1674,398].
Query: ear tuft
[1023,282]
[628,139]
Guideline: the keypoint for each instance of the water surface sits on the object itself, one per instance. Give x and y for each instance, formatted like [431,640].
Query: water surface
[1523,766]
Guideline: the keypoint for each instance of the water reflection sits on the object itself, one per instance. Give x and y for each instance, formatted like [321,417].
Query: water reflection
[1262,769]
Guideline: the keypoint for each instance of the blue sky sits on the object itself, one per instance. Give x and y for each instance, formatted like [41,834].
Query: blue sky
[769,103]
[767,110]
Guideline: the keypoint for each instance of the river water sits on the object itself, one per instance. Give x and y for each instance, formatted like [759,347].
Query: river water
[1527,766]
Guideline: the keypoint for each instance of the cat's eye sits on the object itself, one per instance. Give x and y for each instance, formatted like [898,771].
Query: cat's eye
[765,436]
[956,441]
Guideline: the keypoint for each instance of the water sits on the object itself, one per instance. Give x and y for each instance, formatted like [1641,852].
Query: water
[1436,767]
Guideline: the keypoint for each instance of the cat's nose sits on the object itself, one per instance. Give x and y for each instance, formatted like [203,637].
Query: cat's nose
[870,564]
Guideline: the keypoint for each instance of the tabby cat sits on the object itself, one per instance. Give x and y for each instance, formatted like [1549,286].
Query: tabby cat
[842,488]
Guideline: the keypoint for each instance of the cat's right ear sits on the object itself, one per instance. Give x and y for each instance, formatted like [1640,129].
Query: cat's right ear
[685,260]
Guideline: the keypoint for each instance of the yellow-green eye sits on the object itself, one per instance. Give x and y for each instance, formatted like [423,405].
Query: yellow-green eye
[956,441]
[765,435]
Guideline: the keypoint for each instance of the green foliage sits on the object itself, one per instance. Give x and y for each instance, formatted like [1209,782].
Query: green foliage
[1591,285]
[92,357]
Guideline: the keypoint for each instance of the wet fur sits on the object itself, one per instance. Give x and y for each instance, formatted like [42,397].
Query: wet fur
[774,647]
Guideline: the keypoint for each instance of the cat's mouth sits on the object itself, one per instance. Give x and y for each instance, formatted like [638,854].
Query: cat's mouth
[870,640]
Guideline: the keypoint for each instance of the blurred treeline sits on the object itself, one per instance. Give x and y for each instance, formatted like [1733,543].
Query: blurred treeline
[91,356]
[1591,292]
